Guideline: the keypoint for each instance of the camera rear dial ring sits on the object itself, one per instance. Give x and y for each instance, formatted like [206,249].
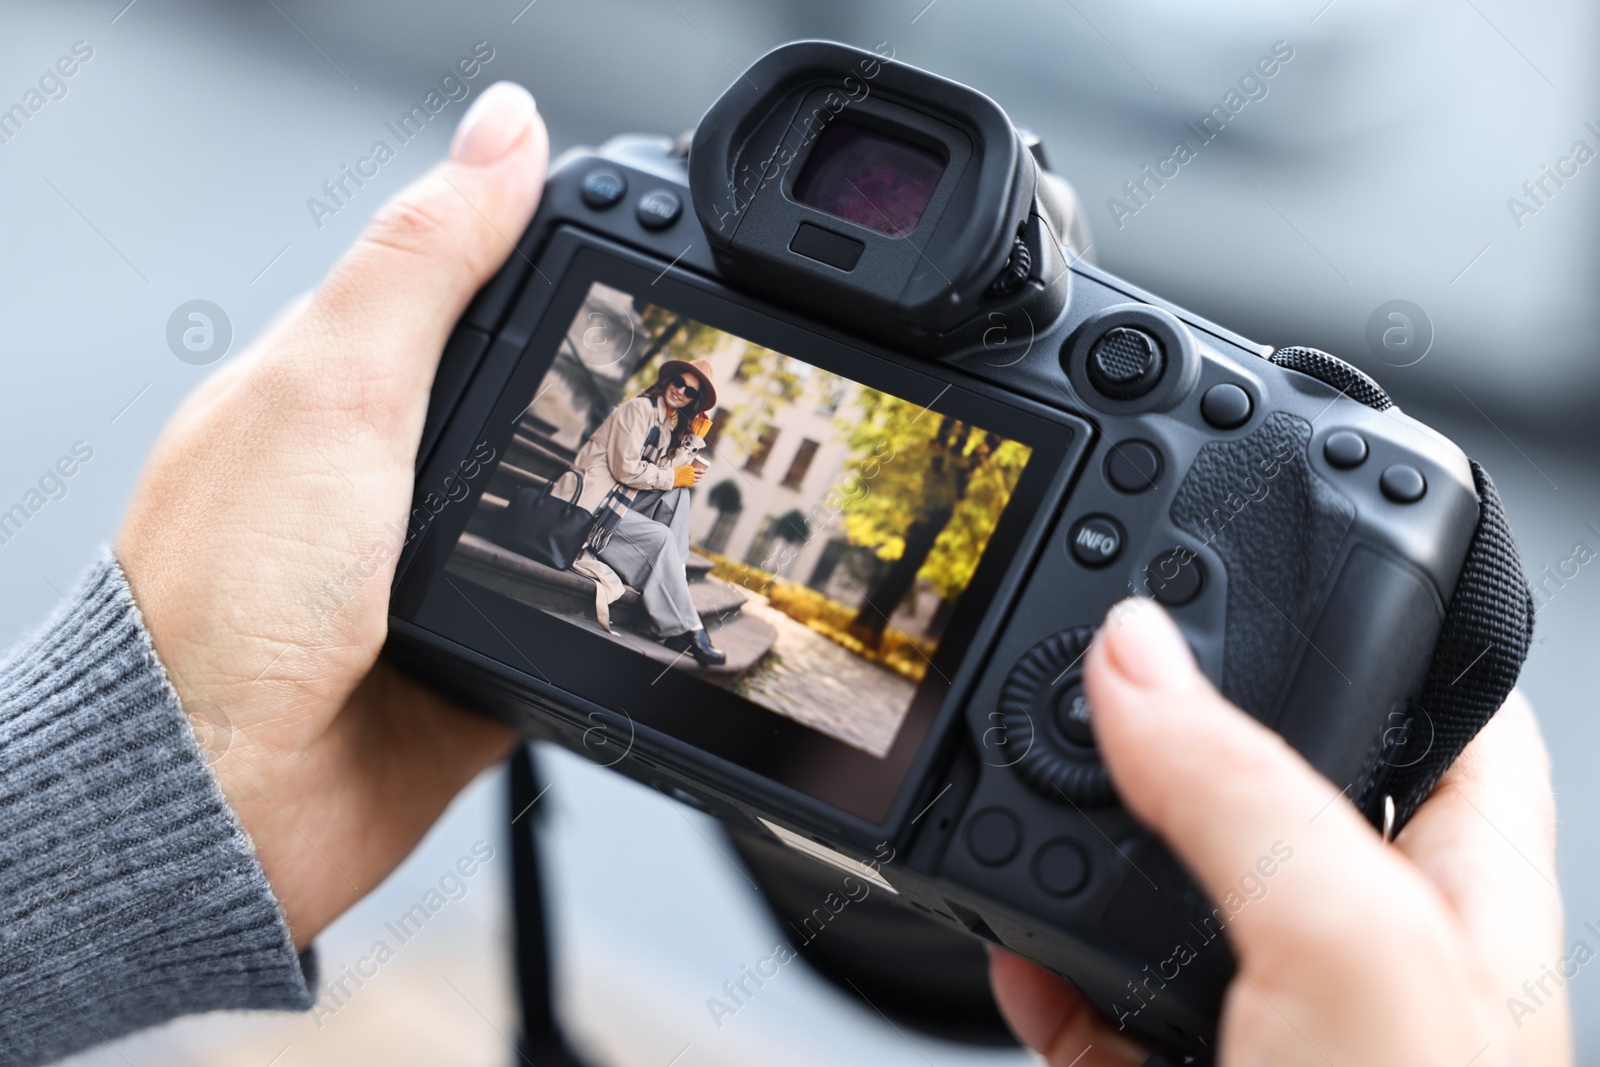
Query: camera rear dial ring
[1043,712]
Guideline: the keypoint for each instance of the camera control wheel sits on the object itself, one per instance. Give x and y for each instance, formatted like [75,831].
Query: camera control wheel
[1045,716]
[1331,370]
[1014,275]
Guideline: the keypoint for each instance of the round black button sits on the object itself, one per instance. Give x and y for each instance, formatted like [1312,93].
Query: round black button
[1095,540]
[1345,449]
[1072,716]
[1133,466]
[1125,363]
[1403,484]
[603,187]
[994,836]
[1175,577]
[1061,868]
[659,209]
[1225,406]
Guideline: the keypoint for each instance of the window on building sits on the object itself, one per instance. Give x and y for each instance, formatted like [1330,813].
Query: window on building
[833,392]
[721,530]
[828,562]
[719,422]
[760,545]
[800,464]
[757,460]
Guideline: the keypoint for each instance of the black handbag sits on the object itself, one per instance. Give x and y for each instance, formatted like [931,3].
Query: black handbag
[547,529]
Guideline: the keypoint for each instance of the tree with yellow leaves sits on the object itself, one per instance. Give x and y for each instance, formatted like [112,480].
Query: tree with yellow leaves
[927,491]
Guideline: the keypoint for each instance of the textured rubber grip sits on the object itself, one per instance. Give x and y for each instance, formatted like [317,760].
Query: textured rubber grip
[1487,630]
[1277,524]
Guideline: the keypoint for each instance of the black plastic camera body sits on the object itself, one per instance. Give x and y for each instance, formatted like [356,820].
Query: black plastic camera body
[892,229]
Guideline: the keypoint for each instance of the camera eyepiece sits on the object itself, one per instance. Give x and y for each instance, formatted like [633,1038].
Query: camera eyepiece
[881,197]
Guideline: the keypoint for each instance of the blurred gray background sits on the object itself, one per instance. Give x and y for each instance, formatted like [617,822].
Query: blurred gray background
[1380,165]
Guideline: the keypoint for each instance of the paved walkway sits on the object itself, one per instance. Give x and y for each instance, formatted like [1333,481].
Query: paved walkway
[808,678]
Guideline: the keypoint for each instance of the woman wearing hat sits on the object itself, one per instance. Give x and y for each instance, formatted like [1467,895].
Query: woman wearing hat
[637,469]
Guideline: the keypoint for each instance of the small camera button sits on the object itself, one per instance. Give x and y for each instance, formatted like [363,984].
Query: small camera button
[1095,540]
[993,836]
[603,187]
[1175,577]
[1345,449]
[1133,466]
[1072,717]
[1226,406]
[1403,484]
[659,209]
[1061,868]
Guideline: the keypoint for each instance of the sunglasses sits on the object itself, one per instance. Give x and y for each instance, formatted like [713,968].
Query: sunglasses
[688,390]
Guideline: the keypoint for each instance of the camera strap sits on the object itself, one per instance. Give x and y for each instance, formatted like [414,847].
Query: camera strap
[1487,629]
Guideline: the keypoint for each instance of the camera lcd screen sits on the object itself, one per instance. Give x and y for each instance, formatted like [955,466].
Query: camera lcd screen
[869,178]
[844,525]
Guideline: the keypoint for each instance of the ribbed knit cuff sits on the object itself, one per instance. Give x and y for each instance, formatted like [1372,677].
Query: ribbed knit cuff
[129,893]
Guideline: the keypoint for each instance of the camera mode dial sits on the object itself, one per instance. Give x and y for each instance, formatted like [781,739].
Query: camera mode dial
[1046,718]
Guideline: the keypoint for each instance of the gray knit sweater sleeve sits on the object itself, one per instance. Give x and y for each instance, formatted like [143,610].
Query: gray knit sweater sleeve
[129,893]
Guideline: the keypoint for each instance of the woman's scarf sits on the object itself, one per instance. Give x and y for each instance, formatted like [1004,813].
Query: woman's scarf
[609,512]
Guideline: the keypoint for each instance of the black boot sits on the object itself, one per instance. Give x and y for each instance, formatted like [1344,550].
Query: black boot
[698,644]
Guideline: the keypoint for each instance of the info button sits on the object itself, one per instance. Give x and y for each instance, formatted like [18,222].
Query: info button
[1095,540]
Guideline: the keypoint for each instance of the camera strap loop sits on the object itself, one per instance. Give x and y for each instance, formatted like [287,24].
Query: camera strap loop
[1485,636]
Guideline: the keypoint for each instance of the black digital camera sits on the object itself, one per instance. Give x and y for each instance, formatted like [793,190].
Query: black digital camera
[791,470]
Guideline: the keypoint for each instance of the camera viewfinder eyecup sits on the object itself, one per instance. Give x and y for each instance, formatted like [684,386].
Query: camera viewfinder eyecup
[925,249]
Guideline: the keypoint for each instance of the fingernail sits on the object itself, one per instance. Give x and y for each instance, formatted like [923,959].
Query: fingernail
[1146,647]
[496,121]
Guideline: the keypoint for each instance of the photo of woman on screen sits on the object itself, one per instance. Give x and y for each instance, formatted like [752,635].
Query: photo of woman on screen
[638,468]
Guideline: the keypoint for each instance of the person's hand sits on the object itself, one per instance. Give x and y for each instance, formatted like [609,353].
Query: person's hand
[1359,953]
[687,475]
[261,540]
[700,426]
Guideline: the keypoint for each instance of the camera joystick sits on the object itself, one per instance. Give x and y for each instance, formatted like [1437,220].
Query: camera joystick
[1046,718]
[1125,363]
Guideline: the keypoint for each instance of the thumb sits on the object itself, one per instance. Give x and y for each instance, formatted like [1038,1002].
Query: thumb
[1230,797]
[381,318]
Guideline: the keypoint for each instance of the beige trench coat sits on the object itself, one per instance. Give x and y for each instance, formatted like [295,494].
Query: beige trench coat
[611,455]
